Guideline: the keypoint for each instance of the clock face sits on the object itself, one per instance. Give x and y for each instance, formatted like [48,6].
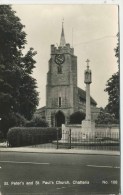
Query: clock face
[59,59]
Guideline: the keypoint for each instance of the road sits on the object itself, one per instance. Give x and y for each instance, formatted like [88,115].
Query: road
[58,174]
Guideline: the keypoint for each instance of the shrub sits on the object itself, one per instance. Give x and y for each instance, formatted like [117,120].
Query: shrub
[22,136]
[77,117]
[37,122]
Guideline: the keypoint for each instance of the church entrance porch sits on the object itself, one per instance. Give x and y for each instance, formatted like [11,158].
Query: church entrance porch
[59,119]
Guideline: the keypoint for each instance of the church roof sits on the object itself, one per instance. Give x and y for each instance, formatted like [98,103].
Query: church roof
[62,40]
[82,95]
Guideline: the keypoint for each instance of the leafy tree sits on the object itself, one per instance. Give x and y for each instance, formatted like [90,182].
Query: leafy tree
[17,86]
[117,52]
[10,120]
[113,92]
[77,117]
[112,88]
[105,118]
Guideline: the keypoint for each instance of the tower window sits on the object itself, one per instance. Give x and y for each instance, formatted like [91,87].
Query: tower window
[59,102]
[59,69]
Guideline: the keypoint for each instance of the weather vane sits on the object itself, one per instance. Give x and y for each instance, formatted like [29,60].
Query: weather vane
[62,20]
[88,62]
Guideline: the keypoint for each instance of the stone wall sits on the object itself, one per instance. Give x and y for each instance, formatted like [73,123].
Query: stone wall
[111,128]
[101,131]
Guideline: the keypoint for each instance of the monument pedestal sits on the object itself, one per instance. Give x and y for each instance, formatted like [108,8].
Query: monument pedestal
[88,129]
[88,126]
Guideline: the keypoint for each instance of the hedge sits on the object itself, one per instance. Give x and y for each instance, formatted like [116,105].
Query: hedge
[24,136]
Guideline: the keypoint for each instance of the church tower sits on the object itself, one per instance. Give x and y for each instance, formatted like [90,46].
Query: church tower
[61,88]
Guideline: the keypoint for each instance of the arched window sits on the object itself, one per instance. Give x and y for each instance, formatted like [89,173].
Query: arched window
[59,101]
[59,69]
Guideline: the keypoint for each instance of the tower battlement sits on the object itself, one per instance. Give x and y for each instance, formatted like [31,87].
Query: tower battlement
[59,50]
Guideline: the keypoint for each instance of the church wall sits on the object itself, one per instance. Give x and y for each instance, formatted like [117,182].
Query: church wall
[51,112]
[74,77]
[74,70]
[94,110]
[54,92]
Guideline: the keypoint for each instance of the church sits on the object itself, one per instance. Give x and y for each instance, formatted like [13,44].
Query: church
[63,96]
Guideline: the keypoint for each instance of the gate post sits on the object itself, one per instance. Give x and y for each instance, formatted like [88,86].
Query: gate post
[57,138]
[70,139]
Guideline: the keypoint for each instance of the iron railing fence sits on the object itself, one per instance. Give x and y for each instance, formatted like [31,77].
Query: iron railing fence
[80,140]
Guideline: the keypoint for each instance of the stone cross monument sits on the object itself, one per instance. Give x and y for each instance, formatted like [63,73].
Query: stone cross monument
[88,81]
[87,124]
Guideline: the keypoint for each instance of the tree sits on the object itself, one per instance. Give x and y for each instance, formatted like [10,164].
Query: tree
[11,120]
[113,92]
[77,117]
[17,86]
[105,118]
[112,88]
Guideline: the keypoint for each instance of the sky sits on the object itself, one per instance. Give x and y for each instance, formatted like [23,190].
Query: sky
[90,29]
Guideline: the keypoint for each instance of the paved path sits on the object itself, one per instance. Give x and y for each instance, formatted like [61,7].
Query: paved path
[70,151]
[40,149]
